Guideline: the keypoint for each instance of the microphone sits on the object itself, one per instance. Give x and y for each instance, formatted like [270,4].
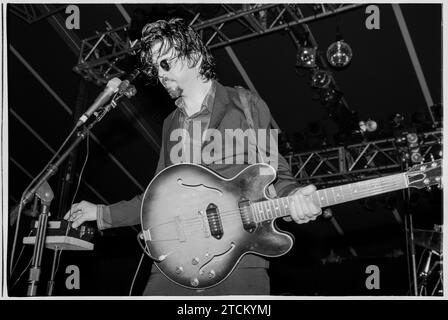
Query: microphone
[111,88]
[129,78]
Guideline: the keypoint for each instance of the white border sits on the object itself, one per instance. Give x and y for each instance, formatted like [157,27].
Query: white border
[4,159]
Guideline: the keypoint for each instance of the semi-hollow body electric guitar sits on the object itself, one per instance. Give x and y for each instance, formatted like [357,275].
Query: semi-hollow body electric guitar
[197,225]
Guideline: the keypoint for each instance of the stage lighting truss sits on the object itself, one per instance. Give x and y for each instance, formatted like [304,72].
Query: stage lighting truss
[358,161]
[100,54]
[34,12]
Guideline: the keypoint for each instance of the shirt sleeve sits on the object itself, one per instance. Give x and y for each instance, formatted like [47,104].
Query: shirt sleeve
[121,214]
[126,213]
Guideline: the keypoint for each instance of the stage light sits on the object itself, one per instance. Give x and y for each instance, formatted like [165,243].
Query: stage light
[306,57]
[371,125]
[397,121]
[320,79]
[367,126]
[330,95]
[339,54]
[414,148]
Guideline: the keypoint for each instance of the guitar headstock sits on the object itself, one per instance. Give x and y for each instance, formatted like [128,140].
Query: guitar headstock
[425,174]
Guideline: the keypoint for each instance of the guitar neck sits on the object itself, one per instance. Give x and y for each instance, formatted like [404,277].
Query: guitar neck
[280,207]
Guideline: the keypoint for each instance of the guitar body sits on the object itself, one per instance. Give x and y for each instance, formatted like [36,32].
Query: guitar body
[196,223]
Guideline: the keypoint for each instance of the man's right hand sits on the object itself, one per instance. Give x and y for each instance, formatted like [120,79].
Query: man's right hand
[81,212]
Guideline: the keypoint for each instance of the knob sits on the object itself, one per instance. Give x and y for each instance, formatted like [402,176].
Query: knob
[194,282]
[179,269]
[195,261]
[211,274]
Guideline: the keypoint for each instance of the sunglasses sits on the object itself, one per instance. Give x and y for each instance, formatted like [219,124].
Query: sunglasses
[165,64]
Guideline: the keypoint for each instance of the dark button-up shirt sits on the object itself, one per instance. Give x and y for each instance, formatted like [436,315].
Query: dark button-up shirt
[195,126]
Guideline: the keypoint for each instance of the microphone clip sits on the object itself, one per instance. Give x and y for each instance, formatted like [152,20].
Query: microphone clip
[130,91]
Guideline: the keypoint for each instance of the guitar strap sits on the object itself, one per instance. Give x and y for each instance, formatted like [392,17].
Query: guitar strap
[244,104]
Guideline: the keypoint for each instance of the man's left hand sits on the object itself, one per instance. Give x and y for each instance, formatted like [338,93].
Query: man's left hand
[303,208]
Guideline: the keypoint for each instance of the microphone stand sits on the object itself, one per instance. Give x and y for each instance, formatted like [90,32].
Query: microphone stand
[46,196]
[52,168]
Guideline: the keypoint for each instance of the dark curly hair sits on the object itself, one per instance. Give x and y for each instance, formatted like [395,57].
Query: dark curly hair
[187,44]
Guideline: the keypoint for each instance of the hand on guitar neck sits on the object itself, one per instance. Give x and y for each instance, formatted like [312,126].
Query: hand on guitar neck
[304,209]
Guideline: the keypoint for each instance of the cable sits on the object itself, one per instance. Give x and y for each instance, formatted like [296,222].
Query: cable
[24,270]
[136,272]
[20,254]
[145,251]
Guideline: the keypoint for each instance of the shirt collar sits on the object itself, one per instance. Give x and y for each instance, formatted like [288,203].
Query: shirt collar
[207,103]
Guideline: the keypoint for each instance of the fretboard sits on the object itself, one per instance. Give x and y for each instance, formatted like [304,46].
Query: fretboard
[280,207]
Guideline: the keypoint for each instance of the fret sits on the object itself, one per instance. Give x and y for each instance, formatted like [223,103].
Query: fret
[353,191]
[282,207]
[286,206]
[334,196]
[327,198]
[322,199]
[276,208]
[341,194]
[256,211]
[261,211]
[265,211]
[279,207]
[349,192]
[268,210]
[271,209]
[316,195]
[346,192]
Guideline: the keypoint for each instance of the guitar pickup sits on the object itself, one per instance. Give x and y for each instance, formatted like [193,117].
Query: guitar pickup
[214,221]
[247,216]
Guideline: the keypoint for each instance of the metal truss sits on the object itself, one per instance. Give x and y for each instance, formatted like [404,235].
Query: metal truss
[358,161]
[260,20]
[100,54]
[31,12]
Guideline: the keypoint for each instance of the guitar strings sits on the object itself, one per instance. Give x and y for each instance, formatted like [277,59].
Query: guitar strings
[361,194]
[195,224]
